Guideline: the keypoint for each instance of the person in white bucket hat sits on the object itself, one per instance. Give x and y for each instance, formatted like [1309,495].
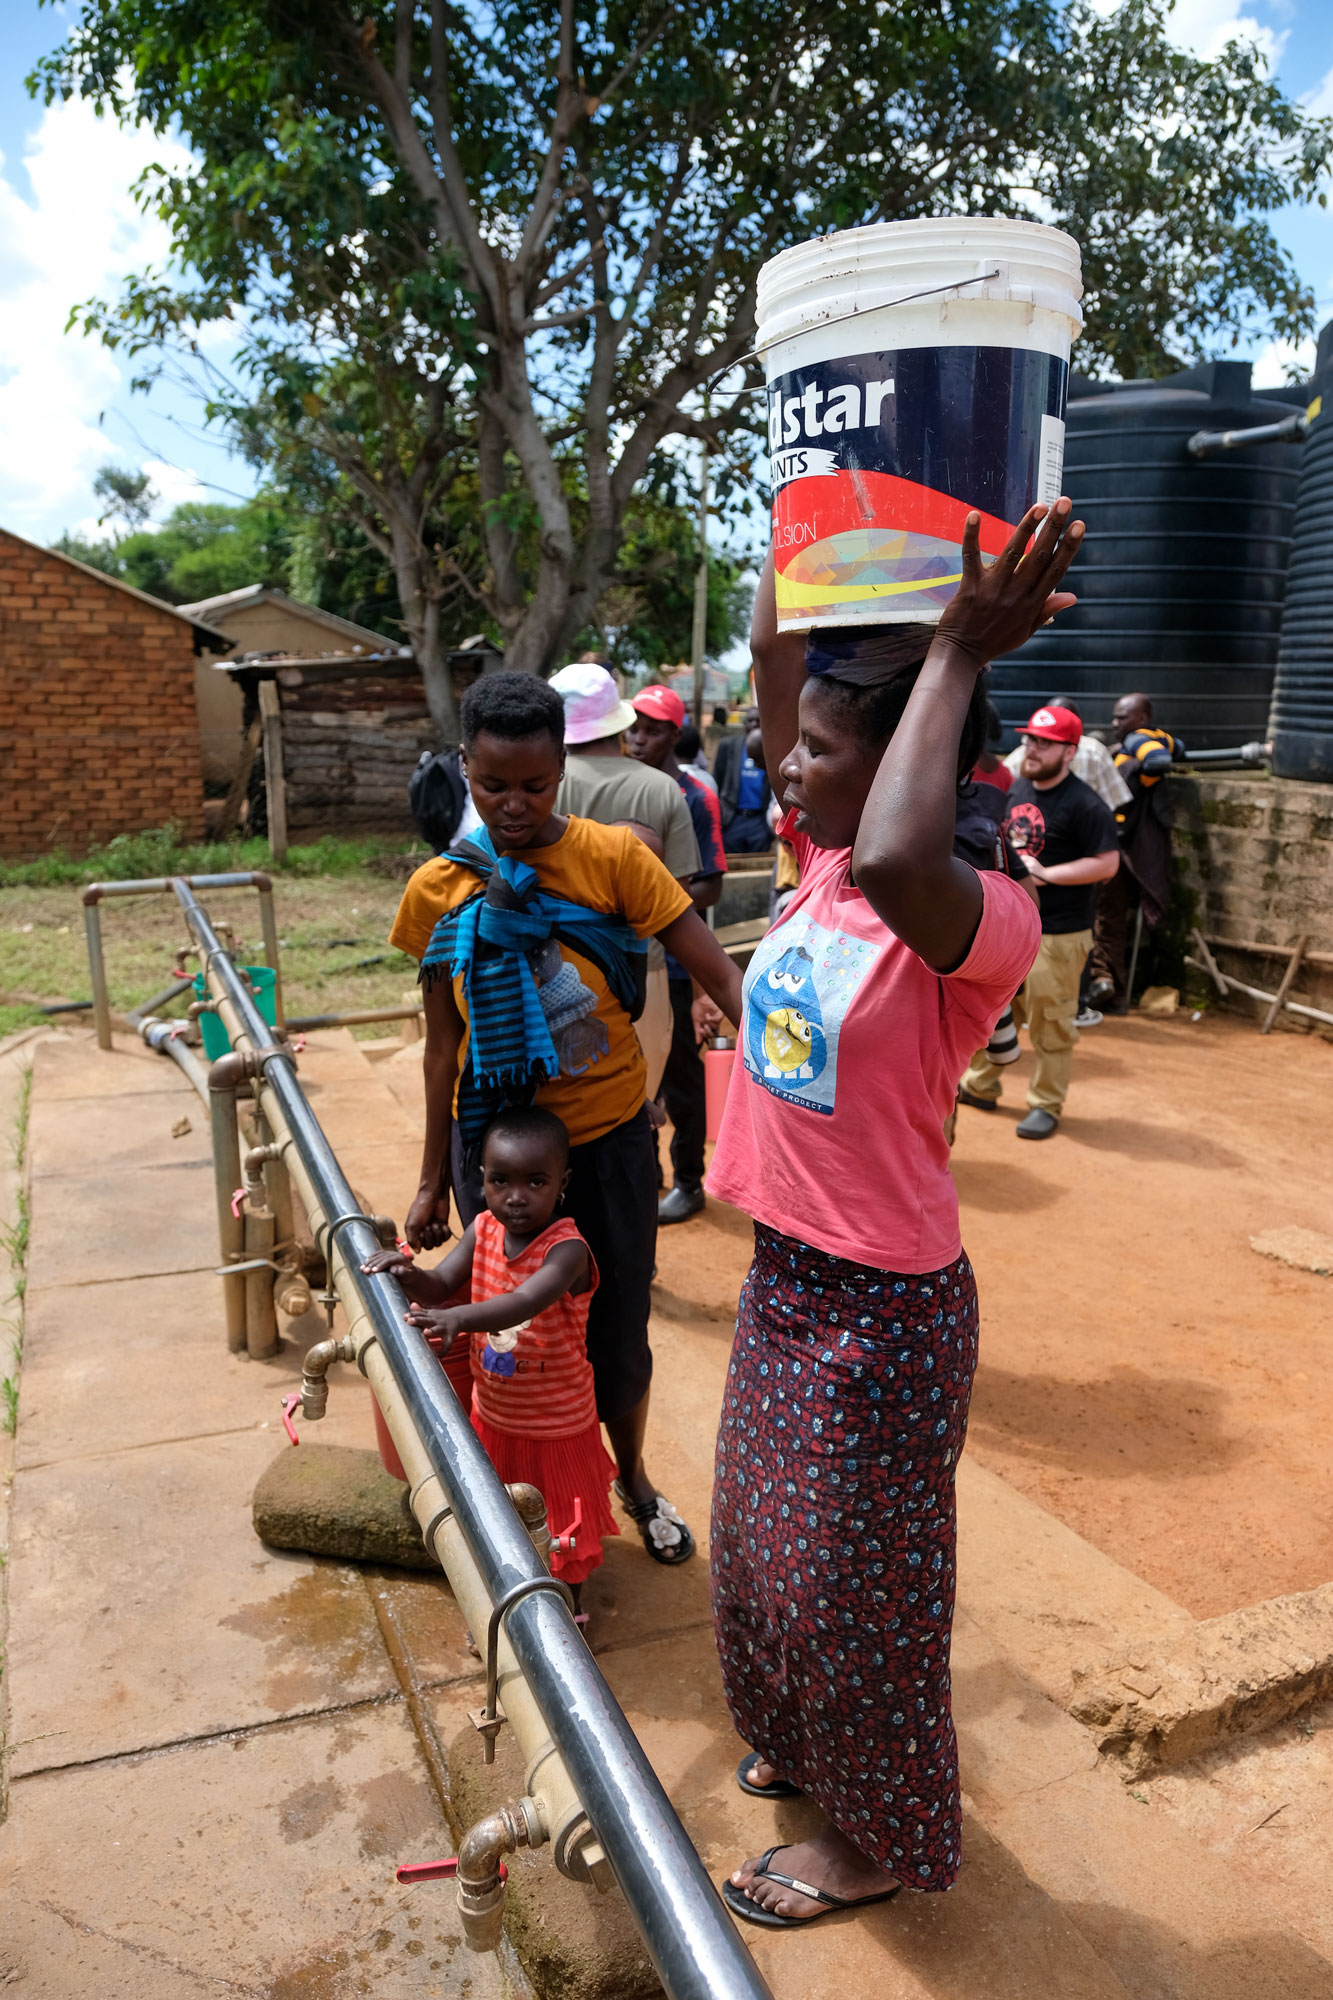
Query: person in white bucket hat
[601,782]
[594,707]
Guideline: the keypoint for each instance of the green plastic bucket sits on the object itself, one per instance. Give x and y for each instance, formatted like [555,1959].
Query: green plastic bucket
[263,982]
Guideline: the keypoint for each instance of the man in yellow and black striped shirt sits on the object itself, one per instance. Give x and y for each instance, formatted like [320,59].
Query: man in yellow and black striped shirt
[1143,753]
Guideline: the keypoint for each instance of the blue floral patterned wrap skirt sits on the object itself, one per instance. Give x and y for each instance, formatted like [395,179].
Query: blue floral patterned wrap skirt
[833,1539]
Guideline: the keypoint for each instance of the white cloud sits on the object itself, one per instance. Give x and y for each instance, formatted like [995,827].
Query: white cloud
[174,483]
[1206,26]
[77,235]
[1276,362]
[1320,101]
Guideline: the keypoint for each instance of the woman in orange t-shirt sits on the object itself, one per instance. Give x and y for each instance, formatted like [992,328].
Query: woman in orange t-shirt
[527,944]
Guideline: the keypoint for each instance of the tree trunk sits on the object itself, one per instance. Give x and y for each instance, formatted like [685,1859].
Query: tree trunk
[421,613]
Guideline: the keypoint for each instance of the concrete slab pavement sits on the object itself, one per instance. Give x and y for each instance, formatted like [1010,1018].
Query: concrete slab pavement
[213,1766]
[240,1722]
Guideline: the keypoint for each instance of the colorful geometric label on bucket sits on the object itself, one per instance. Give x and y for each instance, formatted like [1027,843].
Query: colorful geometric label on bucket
[877,460]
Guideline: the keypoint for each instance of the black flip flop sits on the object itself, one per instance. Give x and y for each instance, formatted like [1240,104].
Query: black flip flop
[781,1788]
[665,1535]
[750,1912]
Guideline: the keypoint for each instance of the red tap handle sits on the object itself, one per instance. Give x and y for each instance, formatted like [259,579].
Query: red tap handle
[236,1200]
[289,1404]
[434,1871]
[401,1243]
[566,1543]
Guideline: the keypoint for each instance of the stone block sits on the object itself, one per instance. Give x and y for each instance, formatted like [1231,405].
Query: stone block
[332,1501]
[1301,1248]
[1154,1706]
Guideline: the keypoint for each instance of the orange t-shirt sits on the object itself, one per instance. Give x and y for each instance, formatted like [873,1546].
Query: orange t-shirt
[542,1386]
[606,868]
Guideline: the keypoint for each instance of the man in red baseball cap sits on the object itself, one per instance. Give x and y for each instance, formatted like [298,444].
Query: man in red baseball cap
[1067,840]
[659,716]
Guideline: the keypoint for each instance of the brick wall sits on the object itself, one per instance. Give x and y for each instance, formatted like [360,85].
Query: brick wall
[1257,853]
[98,727]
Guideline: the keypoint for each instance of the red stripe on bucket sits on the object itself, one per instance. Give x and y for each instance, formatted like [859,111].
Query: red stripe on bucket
[828,506]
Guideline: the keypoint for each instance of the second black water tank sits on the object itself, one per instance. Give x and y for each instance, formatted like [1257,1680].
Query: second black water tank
[1301,723]
[1180,581]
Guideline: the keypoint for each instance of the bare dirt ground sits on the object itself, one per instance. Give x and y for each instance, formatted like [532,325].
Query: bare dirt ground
[1144,1374]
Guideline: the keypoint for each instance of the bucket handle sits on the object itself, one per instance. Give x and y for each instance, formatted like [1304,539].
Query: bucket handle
[859,312]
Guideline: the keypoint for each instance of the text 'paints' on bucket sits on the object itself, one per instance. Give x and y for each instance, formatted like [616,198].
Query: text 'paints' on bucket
[916,371]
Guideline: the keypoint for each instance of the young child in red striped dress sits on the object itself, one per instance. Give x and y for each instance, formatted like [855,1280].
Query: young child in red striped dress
[532,1281]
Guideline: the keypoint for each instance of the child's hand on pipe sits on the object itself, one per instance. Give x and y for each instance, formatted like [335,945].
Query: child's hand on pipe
[394,1262]
[440,1324]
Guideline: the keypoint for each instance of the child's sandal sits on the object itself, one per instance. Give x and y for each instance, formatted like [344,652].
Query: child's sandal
[665,1535]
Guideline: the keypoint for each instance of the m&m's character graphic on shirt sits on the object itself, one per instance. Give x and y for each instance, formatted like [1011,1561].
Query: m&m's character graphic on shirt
[786,1019]
[799,985]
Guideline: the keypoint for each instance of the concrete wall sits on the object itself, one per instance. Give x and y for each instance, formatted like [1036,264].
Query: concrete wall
[1257,852]
[99,733]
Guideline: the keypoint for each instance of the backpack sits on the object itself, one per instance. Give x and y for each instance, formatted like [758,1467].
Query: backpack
[436,791]
[978,828]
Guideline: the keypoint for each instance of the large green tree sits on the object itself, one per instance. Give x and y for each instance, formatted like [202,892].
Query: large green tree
[479,240]
[203,548]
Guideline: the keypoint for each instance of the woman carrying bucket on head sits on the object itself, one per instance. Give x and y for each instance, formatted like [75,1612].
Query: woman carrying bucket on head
[846,1401]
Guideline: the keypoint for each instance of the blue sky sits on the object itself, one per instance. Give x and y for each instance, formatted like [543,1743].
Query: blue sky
[69,229]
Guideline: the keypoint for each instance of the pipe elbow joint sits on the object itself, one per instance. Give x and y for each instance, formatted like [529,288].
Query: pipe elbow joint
[481,1886]
[229,1072]
[315,1374]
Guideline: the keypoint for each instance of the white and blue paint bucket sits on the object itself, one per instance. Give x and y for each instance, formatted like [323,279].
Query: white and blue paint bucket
[916,370]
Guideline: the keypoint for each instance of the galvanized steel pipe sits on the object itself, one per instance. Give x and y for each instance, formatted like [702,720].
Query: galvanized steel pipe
[691,1940]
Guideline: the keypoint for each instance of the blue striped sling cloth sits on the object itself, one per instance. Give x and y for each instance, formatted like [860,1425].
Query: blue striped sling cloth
[489,941]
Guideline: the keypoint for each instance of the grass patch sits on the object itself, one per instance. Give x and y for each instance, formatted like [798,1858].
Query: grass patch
[139,856]
[21,1015]
[14,1244]
[328,926]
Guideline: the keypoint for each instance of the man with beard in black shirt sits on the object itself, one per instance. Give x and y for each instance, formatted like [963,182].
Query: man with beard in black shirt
[1068,842]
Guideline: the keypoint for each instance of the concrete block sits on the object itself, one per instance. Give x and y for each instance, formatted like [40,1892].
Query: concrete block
[331,1501]
[1153,1706]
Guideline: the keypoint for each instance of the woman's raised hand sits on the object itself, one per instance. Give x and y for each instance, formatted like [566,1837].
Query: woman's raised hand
[998,606]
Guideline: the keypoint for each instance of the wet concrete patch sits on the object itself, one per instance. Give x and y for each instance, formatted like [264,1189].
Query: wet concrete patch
[262,1867]
[158,1542]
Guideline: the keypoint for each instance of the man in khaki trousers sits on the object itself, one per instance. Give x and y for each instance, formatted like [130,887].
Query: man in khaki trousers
[1067,840]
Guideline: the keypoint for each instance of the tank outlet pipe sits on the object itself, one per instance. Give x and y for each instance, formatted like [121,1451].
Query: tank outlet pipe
[577,1744]
[1289,430]
[1244,753]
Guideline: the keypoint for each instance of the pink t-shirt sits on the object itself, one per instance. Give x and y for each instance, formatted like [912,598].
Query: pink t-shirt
[852,1050]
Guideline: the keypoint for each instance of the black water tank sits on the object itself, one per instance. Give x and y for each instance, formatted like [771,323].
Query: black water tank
[1180,581]
[1301,722]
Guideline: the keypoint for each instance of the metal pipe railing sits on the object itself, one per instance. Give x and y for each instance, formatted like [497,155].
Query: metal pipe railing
[691,1940]
[160,885]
